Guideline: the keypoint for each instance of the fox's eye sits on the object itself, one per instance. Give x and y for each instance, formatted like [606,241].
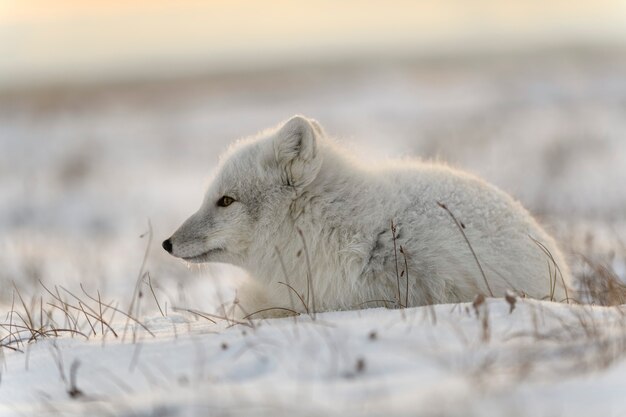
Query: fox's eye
[225,201]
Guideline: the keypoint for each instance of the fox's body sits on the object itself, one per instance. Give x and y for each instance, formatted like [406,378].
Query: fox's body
[297,195]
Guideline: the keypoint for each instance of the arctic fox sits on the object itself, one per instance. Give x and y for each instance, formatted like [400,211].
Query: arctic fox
[318,231]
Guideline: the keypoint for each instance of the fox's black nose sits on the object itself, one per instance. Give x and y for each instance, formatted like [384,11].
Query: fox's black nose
[167,245]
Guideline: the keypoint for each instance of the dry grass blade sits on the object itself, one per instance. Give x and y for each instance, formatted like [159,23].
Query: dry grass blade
[22,329]
[87,318]
[30,324]
[35,333]
[102,321]
[136,291]
[295,313]
[14,349]
[395,255]
[58,360]
[71,331]
[556,266]
[67,315]
[73,390]
[195,313]
[128,316]
[11,314]
[385,302]
[460,227]
[210,317]
[93,314]
[288,284]
[65,306]
[153,295]
[309,276]
[406,270]
[306,308]
[602,286]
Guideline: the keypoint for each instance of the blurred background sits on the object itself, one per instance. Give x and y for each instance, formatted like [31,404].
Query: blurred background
[113,113]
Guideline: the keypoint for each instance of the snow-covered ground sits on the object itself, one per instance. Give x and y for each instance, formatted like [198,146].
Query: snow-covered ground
[541,359]
[83,170]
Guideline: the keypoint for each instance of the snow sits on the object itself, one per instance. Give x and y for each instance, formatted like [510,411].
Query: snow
[536,360]
[83,169]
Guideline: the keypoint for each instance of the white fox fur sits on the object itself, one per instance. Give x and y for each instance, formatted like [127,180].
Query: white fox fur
[293,187]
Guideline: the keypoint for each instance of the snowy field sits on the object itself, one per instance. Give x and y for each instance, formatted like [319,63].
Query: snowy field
[85,170]
[541,359]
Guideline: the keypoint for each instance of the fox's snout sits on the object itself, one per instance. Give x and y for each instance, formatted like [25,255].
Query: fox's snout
[167,245]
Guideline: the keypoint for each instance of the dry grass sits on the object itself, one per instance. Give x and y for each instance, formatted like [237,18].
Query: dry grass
[63,312]
[599,284]
[554,277]
[461,228]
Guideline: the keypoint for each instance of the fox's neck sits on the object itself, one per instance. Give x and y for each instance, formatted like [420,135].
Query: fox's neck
[325,212]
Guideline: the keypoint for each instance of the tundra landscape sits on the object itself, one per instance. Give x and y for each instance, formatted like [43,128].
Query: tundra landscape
[97,319]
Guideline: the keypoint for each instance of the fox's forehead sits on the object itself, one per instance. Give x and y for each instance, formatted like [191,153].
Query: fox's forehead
[244,169]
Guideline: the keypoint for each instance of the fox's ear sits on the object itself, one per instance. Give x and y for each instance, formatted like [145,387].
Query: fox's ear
[296,151]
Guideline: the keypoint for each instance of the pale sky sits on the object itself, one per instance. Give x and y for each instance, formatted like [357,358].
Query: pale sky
[44,41]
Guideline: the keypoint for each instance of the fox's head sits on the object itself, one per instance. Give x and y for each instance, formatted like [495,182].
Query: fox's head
[256,182]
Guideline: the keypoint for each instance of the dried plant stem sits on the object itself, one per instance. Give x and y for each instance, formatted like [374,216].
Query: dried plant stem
[460,227]
[139,276]
[556,266]
[154,295]
[406,272]
[310,289]
[270,309]
[288,284]
[395,255]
